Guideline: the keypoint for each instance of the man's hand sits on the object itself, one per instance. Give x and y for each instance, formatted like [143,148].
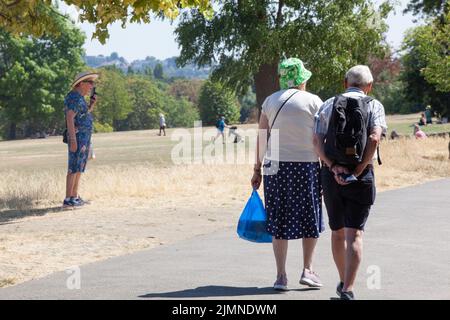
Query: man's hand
[73,145]
[337,169]
[359,170]
[92,102]
[256,180]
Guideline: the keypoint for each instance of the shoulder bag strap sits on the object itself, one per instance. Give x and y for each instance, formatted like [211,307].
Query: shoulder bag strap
[276,115]
[367,100]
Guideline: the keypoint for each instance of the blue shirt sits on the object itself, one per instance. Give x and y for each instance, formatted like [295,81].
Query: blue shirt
[221,125]
[83,118]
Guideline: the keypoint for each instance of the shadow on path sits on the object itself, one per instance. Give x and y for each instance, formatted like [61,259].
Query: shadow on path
[8,216]
[218,291]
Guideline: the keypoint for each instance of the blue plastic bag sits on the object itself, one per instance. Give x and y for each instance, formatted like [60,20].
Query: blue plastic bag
[253,221]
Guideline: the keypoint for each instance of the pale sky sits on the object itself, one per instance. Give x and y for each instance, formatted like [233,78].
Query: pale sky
[156,39]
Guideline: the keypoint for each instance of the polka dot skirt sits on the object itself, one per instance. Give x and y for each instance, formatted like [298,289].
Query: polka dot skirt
[292,199]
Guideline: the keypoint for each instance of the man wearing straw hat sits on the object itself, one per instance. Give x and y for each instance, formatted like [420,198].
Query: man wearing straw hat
[79,129]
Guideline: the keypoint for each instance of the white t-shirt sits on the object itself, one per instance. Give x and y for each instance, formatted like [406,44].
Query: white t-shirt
[295,124]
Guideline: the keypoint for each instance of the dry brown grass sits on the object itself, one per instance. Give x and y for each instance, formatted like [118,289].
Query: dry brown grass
[405,162]
[410,161]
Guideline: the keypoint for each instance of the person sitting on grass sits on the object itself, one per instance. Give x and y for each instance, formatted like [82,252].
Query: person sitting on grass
[422,120]
[419,134]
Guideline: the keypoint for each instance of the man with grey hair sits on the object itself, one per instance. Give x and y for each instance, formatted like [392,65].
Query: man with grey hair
[349,187]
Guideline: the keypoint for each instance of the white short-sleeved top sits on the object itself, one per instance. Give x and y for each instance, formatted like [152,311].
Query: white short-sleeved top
[294,125]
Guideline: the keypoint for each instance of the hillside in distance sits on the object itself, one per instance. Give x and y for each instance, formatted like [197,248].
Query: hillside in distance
[169,66]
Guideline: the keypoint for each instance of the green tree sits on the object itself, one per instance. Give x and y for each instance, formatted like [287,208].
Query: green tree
[145,96]
[149,100]
[432,8]
[187,88]
[388,87]
[433,42]
[179,112]
[158,72]
[114,102]
[35,75]
[36,16]
[248,38]
[216,99]
[419,90]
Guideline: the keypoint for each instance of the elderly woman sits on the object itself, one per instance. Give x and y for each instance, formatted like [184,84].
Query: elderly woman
[291,170]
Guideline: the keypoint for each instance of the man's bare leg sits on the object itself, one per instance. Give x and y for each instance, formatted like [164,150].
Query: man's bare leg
[70,181]
[354,249]
[338,246]
[76,184]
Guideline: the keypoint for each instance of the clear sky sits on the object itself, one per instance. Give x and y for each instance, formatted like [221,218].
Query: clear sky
[156,39]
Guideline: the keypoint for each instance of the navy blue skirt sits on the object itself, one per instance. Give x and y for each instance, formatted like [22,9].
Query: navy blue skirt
[292,199]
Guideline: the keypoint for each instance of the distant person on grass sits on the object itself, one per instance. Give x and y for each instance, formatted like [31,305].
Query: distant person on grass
[221,125]
[291,178]
[423,119]
[449,151]
[418,133]
[162,124]
[348,198]
[79,129]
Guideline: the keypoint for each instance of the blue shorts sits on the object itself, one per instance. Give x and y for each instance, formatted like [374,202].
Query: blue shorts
[78,159]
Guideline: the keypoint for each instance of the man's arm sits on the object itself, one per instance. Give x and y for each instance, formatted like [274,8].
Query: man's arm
[318,147]
[334,168]
[71,130]
[371,147]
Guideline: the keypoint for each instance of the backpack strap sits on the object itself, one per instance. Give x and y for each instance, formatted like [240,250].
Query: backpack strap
[276,115]
[367,100]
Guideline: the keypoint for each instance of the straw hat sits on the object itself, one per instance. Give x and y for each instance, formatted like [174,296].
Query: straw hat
[84,76]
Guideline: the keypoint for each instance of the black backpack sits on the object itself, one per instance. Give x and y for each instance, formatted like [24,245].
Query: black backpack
[348,130]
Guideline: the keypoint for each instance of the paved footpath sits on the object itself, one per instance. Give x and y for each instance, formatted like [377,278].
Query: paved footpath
[406,256]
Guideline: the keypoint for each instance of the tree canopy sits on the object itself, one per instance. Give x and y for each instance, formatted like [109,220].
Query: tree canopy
[215,100]
[428,7]
[247,39]
[38,16]
[426,60]
[35,75]
[425,85]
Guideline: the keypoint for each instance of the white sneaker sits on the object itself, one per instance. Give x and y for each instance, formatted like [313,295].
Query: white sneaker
[310,279]
[281,284]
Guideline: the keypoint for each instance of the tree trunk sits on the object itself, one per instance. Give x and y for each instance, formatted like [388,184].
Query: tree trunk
[12,131]
[266,83]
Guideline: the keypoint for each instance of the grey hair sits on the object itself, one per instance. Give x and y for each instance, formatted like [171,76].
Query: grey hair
[359,76]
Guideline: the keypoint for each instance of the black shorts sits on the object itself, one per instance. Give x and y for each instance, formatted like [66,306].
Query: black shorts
[348,206]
